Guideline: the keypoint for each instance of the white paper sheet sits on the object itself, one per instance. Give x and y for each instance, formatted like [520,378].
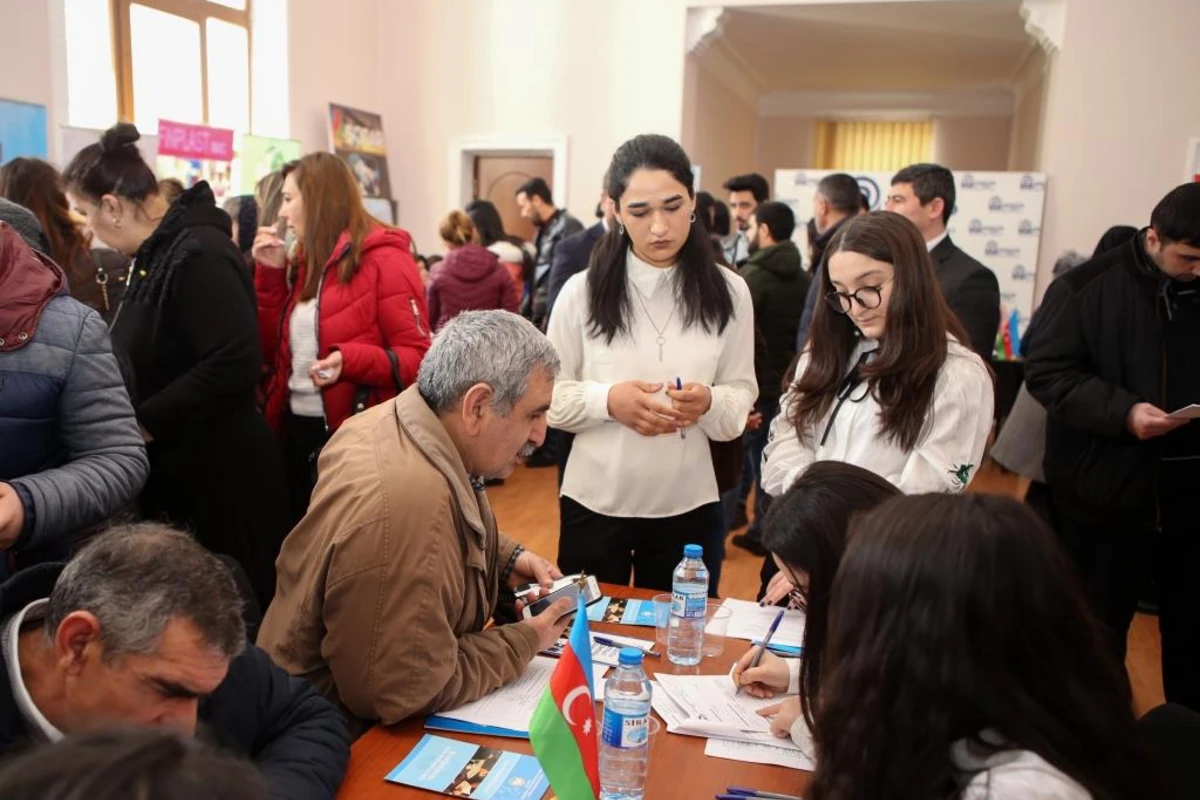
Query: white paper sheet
[512,706]
[755,753]
[750,621]
[707,706]
[607,654]
[1187,412]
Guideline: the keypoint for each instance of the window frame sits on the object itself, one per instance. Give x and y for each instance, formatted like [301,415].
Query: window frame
[198,11]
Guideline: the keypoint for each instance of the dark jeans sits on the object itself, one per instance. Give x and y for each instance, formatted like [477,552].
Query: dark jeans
[756,442]
[1117,564]
[611,548]
[304,436]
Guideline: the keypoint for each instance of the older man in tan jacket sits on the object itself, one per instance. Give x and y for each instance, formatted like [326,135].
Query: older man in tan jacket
[386,586]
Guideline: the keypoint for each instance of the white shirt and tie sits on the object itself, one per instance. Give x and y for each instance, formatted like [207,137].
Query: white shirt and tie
[613,470]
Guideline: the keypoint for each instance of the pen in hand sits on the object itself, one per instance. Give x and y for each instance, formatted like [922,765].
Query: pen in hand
[679,388]
[765,644]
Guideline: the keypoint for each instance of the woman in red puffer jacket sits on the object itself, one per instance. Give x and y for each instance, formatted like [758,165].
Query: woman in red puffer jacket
[470,279]
[343,323]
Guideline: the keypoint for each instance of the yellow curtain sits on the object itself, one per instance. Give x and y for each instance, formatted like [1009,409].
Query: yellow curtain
[872,146]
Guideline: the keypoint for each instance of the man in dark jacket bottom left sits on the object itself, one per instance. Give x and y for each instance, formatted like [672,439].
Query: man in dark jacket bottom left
[144,627]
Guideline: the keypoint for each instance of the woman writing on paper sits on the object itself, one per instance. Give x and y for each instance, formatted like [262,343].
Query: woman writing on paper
[805,534]
[657,350]
[888,381]
[962,662]
[343,323]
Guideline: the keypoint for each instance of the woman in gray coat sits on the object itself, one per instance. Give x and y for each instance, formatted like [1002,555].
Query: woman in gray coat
[72,454]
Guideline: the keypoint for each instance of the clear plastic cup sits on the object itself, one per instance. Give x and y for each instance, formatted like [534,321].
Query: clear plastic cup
[662,618]
[716,626]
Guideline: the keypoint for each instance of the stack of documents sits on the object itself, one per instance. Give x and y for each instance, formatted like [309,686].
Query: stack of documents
[508,710]
[707,706]
[750,621]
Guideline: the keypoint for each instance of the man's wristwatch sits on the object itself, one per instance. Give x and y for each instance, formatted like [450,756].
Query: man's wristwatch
[511,565]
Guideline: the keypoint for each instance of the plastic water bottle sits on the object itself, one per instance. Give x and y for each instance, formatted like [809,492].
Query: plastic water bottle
[689,604]
[624,741]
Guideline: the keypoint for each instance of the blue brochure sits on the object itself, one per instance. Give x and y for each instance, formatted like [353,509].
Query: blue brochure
[622,612]
[460,769]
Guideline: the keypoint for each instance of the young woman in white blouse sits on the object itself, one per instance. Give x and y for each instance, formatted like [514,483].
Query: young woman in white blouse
[887,382]
[962,662]
[657,350]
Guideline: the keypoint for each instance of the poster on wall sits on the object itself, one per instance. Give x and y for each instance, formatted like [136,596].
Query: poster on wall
[194,153]
[381,209]
[997,220]
[73,140]
[22,131]
[1193,161]
[357,138]
[261,156]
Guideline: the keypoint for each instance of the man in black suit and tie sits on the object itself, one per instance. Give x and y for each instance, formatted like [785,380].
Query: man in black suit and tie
[924,193]
[572,254]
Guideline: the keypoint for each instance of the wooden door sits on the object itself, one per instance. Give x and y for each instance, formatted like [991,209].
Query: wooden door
[497,179]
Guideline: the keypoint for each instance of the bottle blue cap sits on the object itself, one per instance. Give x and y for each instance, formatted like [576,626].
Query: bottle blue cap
[630,657]
[692,551]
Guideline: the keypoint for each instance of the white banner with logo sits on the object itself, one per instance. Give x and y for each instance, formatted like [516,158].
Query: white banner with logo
[997,220]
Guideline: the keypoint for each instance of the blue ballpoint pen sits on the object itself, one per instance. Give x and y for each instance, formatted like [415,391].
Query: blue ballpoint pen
[735,792]
[611,643]
[765,644]
[679,388]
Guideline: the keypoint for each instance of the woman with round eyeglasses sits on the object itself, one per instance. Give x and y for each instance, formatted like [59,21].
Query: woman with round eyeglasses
[888,381]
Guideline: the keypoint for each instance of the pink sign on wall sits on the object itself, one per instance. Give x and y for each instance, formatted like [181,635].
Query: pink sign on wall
[194,141]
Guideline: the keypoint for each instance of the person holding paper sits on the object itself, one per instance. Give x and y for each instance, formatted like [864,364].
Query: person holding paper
[962,662]
[1117,350]
[388,583]
[888,381]
[805,533]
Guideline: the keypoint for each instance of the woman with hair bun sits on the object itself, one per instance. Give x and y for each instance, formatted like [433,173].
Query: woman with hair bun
[470,279]
[188,333]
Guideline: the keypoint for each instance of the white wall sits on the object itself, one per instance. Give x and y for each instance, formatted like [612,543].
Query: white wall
[1122,100]
[721,131]
[785,143]
[1029,114]
[26,59]
[333,57]
[974,143]
[596,72]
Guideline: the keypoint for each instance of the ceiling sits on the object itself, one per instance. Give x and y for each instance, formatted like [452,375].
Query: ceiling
[878,47]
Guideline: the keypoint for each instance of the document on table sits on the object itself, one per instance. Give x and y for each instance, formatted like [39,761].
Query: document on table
[706,705]
[750,621]
[604,653]
[756,753]
[1187,412]
[622,612]
[510,707]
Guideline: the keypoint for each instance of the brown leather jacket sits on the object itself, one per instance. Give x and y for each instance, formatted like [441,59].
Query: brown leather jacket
[385,587]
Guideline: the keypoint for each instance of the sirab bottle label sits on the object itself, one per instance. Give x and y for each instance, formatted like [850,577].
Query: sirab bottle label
[625,731]
[689,605]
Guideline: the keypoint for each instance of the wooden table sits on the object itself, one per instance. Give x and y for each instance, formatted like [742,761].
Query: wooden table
[678,766]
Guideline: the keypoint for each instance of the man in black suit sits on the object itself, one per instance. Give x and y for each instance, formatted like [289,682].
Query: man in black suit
[924,193]
[572,254]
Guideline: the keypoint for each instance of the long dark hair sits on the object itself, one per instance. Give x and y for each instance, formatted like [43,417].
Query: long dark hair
[806,528]
[486,217]
[952,615]
[698,284]
[33,183]
[904,375]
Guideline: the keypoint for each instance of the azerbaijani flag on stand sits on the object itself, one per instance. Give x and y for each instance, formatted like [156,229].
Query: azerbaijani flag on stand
[563,729]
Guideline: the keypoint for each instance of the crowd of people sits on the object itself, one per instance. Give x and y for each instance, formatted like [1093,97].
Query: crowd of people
[246,451]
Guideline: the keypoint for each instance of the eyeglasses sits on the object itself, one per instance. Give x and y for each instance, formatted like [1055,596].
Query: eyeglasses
[867,297]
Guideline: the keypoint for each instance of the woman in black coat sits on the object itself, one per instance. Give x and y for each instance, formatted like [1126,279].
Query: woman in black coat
[187,331]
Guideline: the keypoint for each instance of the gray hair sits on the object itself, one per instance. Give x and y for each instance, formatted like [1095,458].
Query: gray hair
[498,348]
[136,579]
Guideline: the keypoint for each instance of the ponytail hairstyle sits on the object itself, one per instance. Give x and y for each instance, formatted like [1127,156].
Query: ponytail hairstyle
[112,166]
[457,230]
